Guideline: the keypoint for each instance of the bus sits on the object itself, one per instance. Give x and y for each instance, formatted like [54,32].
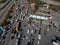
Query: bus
[38,17]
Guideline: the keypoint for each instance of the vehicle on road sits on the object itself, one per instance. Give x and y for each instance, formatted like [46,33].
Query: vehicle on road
[38,42]
[47,28]
[39,36]
[39,32]
[3,37]
[18,35]
[26,37]
[28,31]
[16,41]
[12,37]
[32,31]
[58,29]
[48,16]
[19,41]
[56,41]
[1,30]
[35,31]
[38,17]
[28,43]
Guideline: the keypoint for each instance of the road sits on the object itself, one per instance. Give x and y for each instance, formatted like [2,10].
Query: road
[51,2]
[4,4]
[9,42]
[45,39]
[4,12]
[24,11]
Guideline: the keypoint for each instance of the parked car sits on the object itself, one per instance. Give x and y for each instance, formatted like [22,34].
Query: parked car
[38,42]
[12,37]
[16,41]
[28,43]
[18,35]
[39,36]
[28,31]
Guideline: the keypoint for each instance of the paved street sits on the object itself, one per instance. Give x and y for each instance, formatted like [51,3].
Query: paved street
[4,4]
[4,12]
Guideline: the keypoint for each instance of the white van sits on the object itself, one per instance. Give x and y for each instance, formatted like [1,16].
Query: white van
[55,43]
